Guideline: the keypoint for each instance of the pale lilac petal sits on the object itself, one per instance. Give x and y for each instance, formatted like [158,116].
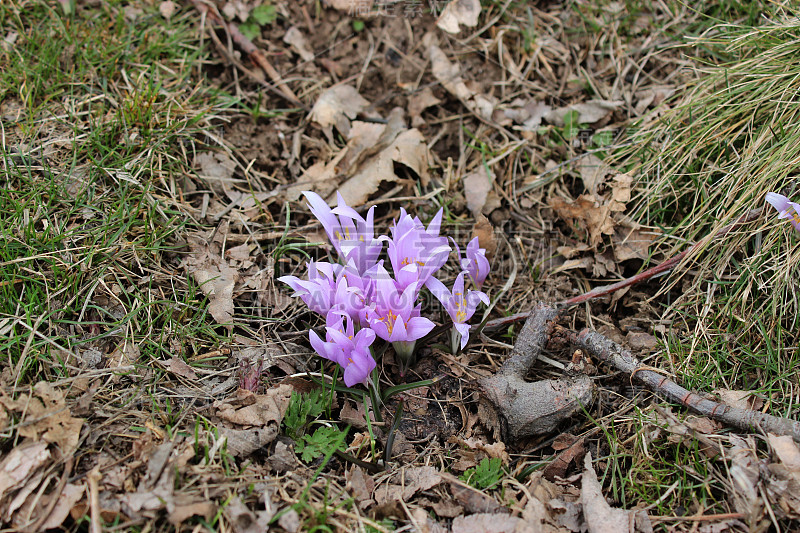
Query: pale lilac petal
[358,368]
[417,327]
[399,331]
[778,201]
[440,292]
[436,224]
[463,329]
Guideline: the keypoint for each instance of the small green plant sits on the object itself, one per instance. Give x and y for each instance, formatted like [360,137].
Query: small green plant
[571,126]
[486,475]
[261,16]
[303,409]
[324,441]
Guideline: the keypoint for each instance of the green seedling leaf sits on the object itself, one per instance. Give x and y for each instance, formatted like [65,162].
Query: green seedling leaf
[324,441]
[264,14]
[571,127]
[303,409]
[487,474]
[251,30]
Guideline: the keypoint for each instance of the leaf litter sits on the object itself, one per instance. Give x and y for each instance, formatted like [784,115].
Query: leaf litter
[357,144]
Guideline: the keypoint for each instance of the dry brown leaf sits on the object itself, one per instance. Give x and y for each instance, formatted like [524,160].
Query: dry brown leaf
[243,520]
[20,464]
[290,521]
[787,451]
[216,279]
[183,512]
[449,75]
[589,112]
[250,409]
[477,185]
[491,523]
[484,231]
[593,173]
[180,368]
[585,214]
[216,169]
[425,523]
[652,96]
[641,341]
[742,399]
[69,496]
[295,38]
[124,354]
[408,149]
[337,106]
[459,13]
[620,191]
[282,459]
[46,417]
[251,421]
[419,102]
[600,516]
[420,478]
[470,498]
[167,9]
[569,455]
[496,450]
[744,471]
[631,244]
[360,485]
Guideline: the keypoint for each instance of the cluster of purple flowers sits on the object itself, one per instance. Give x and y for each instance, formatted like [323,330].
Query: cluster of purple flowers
[361,300]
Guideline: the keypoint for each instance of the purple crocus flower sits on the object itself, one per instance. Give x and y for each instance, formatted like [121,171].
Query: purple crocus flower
[345,346]
[475,262]
[414,251]
[460,305]
[319,291]
[785,207]
[330,286]
[352,236]
[394,317]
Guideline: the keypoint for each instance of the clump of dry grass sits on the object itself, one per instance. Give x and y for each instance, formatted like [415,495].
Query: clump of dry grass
[710,159]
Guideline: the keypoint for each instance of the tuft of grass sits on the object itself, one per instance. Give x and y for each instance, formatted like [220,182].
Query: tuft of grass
[710,160]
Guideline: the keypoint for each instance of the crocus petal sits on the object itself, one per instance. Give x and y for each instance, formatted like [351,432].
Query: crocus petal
[436,223]
[359,366]
[440,292]
[417,327]
[327,350]
[788,209]
[463,329]
[399,331]
[778,201]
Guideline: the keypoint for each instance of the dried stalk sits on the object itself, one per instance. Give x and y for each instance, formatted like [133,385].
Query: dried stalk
[256,55]
[621,359]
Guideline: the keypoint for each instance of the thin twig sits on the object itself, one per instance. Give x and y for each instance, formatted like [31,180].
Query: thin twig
[256,55]
[621,359]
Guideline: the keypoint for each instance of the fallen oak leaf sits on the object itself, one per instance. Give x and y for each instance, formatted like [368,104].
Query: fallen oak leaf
[337,106]
[21,463]
[180,368]
[458,13]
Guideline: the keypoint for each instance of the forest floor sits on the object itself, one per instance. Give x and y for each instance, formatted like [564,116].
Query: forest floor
[157,376]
